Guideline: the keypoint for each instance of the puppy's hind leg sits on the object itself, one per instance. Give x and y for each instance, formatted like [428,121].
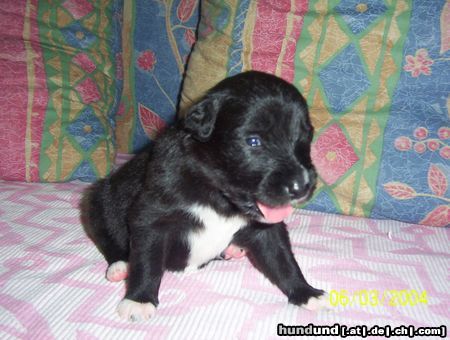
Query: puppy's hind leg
[269,249]
[106,227]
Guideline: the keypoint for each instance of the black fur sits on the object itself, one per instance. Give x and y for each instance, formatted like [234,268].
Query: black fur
[140,215]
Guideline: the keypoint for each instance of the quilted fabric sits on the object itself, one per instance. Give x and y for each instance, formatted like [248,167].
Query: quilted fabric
[376,77]
[59,90]
[53,286]
[157,40]
[240,35]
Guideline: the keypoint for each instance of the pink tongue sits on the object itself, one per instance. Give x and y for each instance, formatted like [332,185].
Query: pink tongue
[275,214]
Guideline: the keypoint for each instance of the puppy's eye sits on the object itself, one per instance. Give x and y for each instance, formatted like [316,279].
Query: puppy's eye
[253,141]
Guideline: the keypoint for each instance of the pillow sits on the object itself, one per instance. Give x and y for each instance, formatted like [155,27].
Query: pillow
[235,36]
[59,89]
[375,75]
[157,39]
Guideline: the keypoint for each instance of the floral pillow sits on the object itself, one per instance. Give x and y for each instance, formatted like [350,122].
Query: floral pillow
[59,88]
[376,77]
[157,39]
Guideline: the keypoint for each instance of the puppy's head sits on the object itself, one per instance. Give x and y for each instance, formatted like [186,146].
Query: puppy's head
[255,130]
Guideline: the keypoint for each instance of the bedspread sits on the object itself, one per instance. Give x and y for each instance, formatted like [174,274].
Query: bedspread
[52,278]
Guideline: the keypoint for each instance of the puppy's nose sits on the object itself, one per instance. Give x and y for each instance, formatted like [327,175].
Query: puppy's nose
[295,189]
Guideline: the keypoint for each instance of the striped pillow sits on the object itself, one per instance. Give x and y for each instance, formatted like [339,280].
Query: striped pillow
[60,88]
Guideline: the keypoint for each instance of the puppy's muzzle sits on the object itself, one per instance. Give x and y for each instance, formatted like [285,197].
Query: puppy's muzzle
[300,186]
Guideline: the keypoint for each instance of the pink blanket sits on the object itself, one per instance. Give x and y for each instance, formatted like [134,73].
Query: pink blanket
[52,283]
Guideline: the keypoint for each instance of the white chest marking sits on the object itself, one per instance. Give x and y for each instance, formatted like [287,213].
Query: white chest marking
[208,242]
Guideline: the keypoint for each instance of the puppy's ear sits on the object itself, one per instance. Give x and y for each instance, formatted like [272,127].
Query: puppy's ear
[201,118]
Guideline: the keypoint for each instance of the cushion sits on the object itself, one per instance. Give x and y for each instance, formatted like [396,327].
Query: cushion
[157,39]
[375,75]
[59,89]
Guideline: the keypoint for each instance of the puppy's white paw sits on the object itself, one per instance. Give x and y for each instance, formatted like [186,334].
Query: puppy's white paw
[318,303]
[130,310]
[118,271]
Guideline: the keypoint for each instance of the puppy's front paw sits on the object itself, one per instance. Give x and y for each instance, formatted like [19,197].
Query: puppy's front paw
[117,271]
[134,311]
[318,303]
[310,298]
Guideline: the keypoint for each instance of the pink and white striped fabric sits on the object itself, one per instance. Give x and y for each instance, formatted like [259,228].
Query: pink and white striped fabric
[52,283]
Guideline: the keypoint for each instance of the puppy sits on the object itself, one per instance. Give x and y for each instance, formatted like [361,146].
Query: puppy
[226,173]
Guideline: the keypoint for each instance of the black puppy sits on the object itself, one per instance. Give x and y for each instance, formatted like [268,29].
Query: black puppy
[227,172]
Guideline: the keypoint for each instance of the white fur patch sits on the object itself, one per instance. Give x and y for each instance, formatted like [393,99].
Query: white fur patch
[208,242]
[318,303]
[305,175]
[134,311]
[191,269]
[117,271]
